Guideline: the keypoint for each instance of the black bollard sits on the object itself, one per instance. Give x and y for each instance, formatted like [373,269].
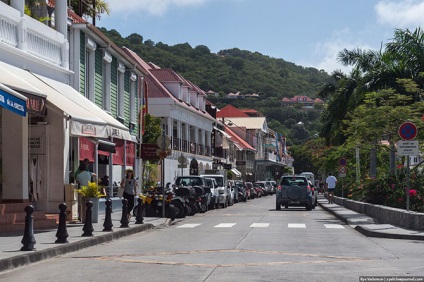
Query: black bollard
[28,240]
[88,225]
[124,217]
[139,218]
[108,218]
[62,233]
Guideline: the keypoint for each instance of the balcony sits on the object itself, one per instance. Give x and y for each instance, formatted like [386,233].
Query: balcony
[32,37]
[190,147]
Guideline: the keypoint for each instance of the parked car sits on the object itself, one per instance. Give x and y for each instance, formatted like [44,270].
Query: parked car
[293,190]
[211,183]
[273,185]
[265,187]
[231,192]
[223,191]
[250,190]
[241,187]
[234,191]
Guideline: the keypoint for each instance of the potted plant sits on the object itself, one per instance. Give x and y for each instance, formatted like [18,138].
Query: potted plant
[92,192]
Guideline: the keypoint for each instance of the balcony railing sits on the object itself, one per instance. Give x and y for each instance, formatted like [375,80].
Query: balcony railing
[32,36]
[190,147]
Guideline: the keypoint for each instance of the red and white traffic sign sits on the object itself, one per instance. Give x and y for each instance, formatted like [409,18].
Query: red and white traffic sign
[408,131]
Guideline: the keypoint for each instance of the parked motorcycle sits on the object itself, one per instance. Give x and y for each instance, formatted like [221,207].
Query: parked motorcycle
[152,202]
[188,194]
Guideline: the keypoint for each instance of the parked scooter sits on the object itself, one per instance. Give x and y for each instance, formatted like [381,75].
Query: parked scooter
[188,194]
[152,203]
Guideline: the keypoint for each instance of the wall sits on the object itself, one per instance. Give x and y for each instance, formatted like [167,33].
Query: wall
[388,215]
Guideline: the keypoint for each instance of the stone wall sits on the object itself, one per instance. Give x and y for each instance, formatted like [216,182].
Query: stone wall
[388,215]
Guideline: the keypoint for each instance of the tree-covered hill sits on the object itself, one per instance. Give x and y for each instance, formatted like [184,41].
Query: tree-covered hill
[231,70]
[236,70]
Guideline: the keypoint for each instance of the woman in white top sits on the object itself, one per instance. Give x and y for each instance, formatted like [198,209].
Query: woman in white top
[129,184]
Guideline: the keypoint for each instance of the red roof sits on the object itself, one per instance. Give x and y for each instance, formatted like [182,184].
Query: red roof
[240,141]
[75,18]
[156,88]
[230,111]
[166,75]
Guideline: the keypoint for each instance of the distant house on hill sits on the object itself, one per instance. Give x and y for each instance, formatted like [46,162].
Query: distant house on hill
[212,93]
[231,111]
[241,96]
[305,101]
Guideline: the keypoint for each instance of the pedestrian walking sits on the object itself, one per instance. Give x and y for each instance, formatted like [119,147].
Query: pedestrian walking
[129,184]
[331,183]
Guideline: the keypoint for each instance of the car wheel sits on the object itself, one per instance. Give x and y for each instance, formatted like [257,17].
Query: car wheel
[277,207]
[309,207]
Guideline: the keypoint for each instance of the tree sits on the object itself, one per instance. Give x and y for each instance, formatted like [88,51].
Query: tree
[152,129]
[90,8]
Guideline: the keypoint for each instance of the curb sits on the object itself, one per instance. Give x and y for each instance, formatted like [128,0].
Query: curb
[362,228]
[35,256]
[369,233]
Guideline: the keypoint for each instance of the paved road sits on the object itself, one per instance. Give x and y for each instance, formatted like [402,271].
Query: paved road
[246,242]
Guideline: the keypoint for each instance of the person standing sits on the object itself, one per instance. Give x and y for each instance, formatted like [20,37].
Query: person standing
[129,184]
[331,183]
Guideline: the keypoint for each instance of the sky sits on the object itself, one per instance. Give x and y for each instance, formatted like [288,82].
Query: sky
[309,33]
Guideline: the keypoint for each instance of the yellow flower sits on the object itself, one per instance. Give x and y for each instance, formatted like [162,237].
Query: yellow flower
[91,191]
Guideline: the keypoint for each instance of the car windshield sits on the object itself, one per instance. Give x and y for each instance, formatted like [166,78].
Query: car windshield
[290,181]
[189,181]
[219,180]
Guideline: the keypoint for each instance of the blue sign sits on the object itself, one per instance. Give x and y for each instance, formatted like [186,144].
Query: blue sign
[12,103]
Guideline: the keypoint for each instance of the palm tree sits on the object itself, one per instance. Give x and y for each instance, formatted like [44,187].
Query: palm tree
[90,8]
[343,99]
[402,58]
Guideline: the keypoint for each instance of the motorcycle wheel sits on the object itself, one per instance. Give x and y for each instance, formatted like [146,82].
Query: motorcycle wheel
[187,210]
[193,209]
[179,211]
[203,208]
[170,212]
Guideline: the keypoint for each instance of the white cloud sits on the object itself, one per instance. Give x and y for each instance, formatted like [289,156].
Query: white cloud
[154,7]
[325,53]
[401,14]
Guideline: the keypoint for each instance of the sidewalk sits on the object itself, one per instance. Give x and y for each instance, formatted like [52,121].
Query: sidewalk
[45,246]
[367,225]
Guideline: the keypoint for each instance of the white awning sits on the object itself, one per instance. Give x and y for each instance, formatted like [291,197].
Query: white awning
[87,119]
[236,172]
[223,132]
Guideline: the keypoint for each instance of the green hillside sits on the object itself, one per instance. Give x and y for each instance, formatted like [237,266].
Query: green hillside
[236,70]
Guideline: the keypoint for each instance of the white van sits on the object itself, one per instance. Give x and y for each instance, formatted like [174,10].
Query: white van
[222,189]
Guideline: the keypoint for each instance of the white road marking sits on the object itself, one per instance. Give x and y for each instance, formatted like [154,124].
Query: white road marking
[259,225]
[334,226]
[297,225]
[189,225]
[225,225]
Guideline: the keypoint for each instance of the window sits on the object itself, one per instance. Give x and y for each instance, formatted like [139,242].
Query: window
[120,90]
[106,73]
[89,64]
[133,79]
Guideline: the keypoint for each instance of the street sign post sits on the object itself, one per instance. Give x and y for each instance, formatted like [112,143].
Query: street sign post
[408,148]
[408,131]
